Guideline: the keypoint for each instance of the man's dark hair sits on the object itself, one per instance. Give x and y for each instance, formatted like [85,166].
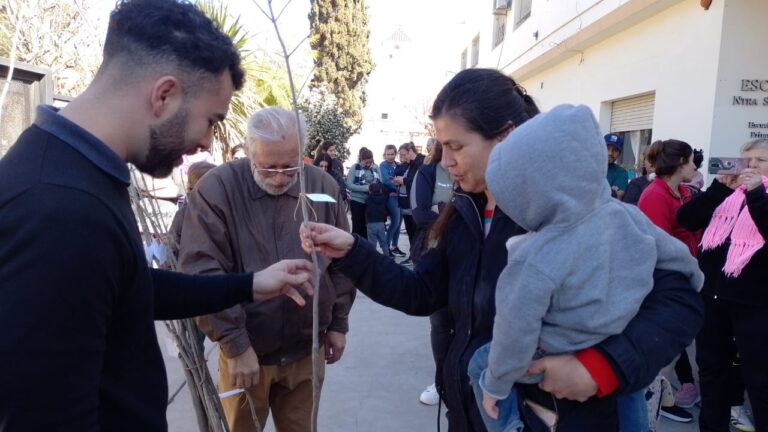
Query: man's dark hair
[151,34]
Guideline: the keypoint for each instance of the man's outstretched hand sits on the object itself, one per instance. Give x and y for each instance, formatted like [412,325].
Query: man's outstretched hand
[283,278]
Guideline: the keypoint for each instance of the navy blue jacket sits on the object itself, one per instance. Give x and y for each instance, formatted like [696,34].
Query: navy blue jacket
[426,179]
[461,273]
[376,208]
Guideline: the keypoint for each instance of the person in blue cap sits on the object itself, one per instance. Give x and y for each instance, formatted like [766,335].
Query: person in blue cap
[617,176]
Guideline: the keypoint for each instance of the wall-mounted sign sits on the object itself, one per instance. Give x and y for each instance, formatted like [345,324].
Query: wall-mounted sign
[754,87]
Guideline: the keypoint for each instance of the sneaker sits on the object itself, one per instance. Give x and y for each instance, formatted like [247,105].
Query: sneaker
[429,396]
[740,419]
[396,251]
[406,262]
[687,396]
[677,414]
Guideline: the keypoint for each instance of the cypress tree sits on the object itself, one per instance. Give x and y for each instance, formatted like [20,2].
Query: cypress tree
[339,39]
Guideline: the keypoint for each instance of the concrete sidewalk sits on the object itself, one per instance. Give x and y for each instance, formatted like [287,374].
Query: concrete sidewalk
[376,385]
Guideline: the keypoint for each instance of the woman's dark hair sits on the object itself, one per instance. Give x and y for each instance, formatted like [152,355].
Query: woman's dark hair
[436,155]
[233,151]
[666,156]
[323,157]
[489,103]
[389,147]
[365,153]
[322,148]
[409,146]
[170,35]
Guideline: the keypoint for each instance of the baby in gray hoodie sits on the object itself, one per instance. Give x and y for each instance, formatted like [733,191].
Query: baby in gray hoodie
[582,271]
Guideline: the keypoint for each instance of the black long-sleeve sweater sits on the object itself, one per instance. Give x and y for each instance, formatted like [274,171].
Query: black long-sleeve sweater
[751,287]
[77,301]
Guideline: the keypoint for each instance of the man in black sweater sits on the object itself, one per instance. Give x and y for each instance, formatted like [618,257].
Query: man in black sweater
[77,300]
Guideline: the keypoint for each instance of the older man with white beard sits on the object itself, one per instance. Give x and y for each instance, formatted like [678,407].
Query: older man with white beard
[243,216]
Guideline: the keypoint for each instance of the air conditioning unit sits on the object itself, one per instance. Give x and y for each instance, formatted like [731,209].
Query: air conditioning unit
[503,5]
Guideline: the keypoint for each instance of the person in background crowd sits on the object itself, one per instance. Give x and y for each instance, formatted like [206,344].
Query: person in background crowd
[431,192]
[240,217]
[472,113]
[376,217]
[733,212]
[637,185]
[697,183]
[617,175]
[388,170]
[362,174]
[237,152]
[324,162]
[78,303]
[413,161]
[328,147]
[430,145]
[660,201]
[196,171]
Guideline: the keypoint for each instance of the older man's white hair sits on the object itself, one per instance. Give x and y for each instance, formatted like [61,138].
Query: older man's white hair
[274,124]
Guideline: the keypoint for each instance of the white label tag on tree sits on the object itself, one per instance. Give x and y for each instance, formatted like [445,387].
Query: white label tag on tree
[318,197]
[227,394]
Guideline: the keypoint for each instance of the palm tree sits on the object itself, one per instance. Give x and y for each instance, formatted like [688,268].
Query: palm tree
[266,83]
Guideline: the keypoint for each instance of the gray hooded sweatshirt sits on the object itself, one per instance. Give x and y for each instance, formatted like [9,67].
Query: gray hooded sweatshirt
[582,271]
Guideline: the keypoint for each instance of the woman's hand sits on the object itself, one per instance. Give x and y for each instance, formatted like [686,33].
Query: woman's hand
[283,278]
[326,240]
[565,377]
[750,178]
[731,181]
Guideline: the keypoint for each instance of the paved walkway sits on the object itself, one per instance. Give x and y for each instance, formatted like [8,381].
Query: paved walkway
[376,385]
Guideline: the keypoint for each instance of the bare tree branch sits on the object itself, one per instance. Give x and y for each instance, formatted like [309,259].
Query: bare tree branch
[305,217]
[298,46]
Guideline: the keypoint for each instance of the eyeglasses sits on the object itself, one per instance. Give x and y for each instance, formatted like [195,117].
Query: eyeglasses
[271,172]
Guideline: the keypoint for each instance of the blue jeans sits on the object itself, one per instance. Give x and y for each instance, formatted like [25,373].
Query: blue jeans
[376,234]
[509,416]
[631,409]
[393,233]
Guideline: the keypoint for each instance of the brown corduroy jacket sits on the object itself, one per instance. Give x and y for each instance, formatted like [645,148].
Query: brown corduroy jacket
[232,225]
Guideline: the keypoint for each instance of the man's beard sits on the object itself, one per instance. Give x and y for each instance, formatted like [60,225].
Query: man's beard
[166,145]
[270,189]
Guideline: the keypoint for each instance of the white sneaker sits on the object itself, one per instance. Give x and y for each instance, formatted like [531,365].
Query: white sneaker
[740,419]
[429,396]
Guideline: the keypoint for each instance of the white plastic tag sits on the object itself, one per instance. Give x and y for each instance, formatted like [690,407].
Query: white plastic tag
[317,197]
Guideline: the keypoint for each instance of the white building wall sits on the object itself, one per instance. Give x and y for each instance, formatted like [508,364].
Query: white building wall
[667,54]
[742,56]
[594,52]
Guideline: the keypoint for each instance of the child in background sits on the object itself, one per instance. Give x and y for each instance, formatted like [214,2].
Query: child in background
[376,215]
[571,282]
